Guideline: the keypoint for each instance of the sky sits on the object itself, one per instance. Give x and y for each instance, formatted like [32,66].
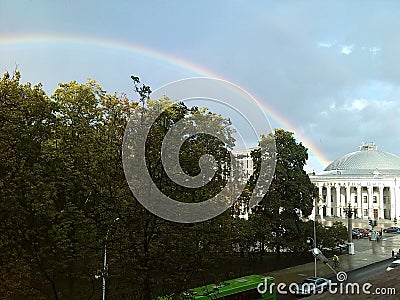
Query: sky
[329,71]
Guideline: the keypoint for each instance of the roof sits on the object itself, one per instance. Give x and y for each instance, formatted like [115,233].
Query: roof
[216,291]
[368,160]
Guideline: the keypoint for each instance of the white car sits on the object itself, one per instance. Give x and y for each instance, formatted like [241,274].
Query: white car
[313,285]
[394,264]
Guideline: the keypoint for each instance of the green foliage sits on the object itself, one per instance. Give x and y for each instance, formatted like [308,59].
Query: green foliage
[63,187]
[335,234]
[277,220]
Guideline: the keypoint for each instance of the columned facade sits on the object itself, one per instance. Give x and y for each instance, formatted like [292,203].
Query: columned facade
[368,180]
[369,200]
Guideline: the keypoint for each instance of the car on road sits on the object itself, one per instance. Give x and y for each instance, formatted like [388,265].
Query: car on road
[364,232]
[392,230]
[394,264]
[312,285]
[356,234]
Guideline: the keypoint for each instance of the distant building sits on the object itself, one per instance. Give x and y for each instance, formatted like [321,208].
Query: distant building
[367,179]
[245,161]
[245,168]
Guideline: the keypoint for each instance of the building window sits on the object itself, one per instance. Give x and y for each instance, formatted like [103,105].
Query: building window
[375,199]
[385,199]
[332,211]
[365,198]
[365,212]
[386,213]
[355,199]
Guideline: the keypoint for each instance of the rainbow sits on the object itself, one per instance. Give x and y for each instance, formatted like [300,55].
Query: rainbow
[178,62]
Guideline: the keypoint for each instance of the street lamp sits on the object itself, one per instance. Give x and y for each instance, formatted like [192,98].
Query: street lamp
[311,241]
[105,265]
[315,236]
[349,213]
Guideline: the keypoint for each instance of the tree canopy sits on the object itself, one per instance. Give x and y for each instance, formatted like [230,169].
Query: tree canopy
[277,219]
[65,197]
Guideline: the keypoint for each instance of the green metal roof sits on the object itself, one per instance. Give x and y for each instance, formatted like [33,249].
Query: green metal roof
[366,161]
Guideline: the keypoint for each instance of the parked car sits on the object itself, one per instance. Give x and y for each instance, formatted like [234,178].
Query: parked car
[312,285]
[364,232]
[394,264]
[357,234]
[392,230]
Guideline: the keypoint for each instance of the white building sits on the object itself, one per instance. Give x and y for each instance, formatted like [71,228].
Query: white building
[245,169]
[245,161]
[367,179]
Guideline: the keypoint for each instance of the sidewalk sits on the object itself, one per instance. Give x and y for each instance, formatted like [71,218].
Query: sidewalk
[366,252]
[359,222]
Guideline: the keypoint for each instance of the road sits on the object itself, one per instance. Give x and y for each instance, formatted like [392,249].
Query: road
[352,276]
[367,271]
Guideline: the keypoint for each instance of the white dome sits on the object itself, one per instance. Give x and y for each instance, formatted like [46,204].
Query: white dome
[367,160]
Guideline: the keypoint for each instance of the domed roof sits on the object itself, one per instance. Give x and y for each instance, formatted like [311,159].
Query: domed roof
[367,160]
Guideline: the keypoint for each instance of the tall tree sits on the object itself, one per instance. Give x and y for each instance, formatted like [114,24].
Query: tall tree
[63,188]
[166,257]
[62,173]
[26,122]
[289,197]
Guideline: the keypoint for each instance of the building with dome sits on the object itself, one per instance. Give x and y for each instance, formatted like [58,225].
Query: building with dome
[367,179]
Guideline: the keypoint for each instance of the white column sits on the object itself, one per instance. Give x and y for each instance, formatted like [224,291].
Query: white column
[328,201]
[370,202]
[380,209]
[348,198]
[338,201]
[319,202]
[312,216]
[392,203]
[359,202]
[396,200]
[343,202]
[321,210]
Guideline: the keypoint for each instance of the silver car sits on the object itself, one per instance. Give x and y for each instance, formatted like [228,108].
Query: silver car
[312,285]
[394,264]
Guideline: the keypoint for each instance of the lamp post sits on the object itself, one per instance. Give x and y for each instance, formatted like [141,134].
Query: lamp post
[105,265]
[314,239]
[315,236]
[310,241]
[349,213]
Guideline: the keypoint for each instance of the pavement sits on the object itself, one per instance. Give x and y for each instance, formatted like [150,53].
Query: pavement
[366,252]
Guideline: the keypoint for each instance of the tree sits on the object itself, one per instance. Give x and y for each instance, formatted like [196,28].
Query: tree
[63,186]
[61,176]
[166,257]
[26,116]
[289,197]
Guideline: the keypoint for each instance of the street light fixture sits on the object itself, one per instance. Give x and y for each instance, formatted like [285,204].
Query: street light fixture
[319,255]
